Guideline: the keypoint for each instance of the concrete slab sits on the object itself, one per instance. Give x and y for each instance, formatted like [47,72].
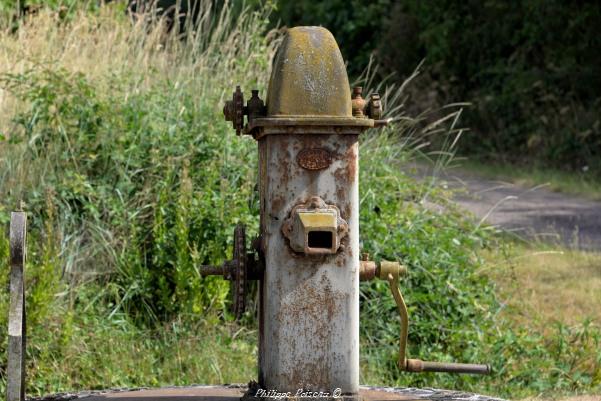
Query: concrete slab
[234,392]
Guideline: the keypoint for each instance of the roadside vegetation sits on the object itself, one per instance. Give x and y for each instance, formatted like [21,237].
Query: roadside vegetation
[112,139]
[581,182]
[547,285]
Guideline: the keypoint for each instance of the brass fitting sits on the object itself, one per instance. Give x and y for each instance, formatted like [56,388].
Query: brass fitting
[368,270]
[358,103]
[394,269]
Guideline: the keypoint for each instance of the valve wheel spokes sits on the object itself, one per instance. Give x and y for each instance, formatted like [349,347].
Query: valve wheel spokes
[238,271]
[240,275]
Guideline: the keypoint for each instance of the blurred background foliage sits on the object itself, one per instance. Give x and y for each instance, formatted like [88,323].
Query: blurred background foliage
[113,140]
[530,68]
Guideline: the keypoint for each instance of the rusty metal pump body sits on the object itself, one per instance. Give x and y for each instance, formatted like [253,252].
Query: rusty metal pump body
[308,185]
[308,136]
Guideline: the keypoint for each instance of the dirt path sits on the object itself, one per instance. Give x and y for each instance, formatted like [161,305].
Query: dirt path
[529,212]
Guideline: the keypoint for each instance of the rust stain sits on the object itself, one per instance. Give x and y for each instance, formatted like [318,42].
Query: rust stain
[351,161]
[277,204]
[340,193]
[284,161]
[319,299]
[340,175]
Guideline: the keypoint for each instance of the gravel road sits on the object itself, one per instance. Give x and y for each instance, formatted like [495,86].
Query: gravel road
[532,213]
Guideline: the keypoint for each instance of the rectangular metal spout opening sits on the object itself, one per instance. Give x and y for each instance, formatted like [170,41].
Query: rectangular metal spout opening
[320,240]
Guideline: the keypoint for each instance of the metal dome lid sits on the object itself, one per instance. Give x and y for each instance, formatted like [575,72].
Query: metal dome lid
[309,77]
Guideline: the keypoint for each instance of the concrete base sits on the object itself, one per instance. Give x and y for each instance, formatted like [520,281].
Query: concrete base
[234,392]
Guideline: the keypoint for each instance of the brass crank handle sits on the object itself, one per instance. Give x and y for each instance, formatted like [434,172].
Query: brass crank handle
[392,271]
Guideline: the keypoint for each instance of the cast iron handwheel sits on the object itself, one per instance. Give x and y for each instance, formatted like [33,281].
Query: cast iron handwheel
[239,274]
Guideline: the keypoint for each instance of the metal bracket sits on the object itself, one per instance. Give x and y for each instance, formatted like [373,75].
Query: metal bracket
[15,386]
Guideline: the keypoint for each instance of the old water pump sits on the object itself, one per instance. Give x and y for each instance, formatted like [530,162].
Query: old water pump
[307,258]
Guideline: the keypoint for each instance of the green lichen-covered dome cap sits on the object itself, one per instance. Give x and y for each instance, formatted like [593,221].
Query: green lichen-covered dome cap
[309,77]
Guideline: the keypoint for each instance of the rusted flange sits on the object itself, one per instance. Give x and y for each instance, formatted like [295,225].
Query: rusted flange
[240,273]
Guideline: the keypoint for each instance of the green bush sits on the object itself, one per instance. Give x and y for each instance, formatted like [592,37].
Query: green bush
[150,172]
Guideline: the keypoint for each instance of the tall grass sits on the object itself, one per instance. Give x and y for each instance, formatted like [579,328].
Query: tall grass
[112,138]
[117,127]
[114,141]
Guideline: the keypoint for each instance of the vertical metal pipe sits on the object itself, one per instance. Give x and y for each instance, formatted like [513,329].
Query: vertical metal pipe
[310,303]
